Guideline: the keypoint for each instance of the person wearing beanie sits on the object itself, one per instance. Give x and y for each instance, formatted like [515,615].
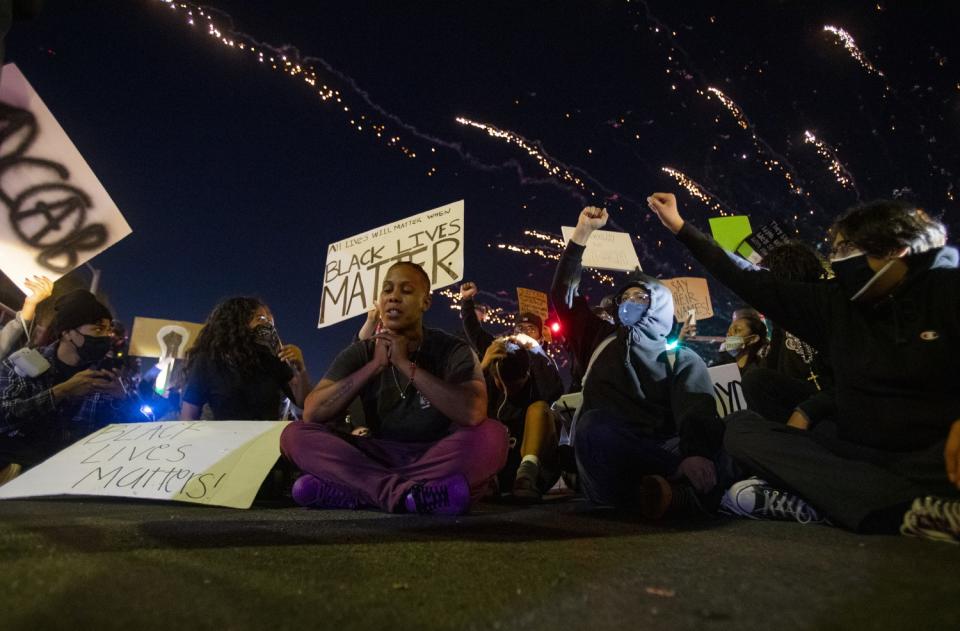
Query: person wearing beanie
[63,396]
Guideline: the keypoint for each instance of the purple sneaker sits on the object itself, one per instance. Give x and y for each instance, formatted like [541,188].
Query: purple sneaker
[313,492]
[447,496]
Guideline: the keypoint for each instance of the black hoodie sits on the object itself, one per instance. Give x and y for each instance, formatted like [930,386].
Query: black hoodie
[632,377]
[893,360]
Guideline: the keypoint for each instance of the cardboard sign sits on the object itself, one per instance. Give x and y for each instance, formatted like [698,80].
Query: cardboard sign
[690,293]
[727,389]
[220,463]
[56,214]
[731,233]
[767,238]
[356,266]
[607,250]
[163,339]
[533,301]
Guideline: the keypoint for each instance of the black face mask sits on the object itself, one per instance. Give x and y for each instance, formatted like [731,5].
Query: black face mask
[94,348]
[855,275]
[267,336]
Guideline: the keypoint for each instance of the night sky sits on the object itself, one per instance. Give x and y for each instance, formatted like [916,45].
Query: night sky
[234,176]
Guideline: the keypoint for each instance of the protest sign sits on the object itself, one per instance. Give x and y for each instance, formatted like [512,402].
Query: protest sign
[731,233]
[766,238]
[163,339]
[607,250]
[533,301]
[57,215]
[690,293]
[220,463]
[727,389]
[356,266]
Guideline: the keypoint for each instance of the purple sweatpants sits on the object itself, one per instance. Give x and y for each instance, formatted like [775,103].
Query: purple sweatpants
[383,471]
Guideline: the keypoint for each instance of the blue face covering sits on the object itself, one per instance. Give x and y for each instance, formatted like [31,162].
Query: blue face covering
[631,312]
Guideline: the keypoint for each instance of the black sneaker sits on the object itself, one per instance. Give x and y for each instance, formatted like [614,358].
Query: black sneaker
[933,518]
[756,499]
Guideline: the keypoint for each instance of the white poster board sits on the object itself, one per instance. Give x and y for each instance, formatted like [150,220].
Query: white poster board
[727,389]
[55,213]
[355,266]
[607,249]
[220,463]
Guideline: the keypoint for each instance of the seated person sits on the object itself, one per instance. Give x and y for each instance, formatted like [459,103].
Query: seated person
[890,324]
[516,399]
[429,447]
[647,433]
[521,381]
[239,367]
[794,386]
[16,333]
[70,398]
[747,340]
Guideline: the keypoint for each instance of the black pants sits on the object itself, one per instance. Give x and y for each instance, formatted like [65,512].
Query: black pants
[613,454]
[858,487]
[773,395]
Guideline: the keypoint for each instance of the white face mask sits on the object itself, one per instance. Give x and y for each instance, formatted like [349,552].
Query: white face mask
[734,344]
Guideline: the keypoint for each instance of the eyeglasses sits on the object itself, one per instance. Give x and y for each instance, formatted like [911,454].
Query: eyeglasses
[637,296]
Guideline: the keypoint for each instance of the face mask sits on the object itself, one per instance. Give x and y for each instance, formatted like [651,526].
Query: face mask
[631,312]
[734,344]
[94,348]
[267,336]
[855,276]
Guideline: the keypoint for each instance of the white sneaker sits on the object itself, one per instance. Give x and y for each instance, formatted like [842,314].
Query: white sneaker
[933,518]
[756,499]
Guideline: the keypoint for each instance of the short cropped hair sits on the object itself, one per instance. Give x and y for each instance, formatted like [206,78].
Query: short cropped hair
[794,261]
[418,268]
[883,227]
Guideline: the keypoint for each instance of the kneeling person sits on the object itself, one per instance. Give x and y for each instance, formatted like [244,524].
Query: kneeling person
[430,448]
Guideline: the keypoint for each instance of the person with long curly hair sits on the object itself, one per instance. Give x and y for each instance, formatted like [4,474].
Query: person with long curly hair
[239,367]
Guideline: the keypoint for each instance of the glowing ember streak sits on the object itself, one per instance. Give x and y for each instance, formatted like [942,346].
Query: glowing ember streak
[840,173]
[851,45]
[551,166]
[696,190]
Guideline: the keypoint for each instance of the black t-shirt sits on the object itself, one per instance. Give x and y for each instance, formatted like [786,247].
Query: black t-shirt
[411,417]
[232,397]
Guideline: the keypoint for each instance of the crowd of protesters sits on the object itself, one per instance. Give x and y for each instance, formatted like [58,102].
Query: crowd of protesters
[853,416]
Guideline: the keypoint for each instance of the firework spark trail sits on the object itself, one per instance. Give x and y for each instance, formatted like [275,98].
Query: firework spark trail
[699,191]
[289,60]
[775,161]
[846,39]
[841,174]
[554,167]
[769,157]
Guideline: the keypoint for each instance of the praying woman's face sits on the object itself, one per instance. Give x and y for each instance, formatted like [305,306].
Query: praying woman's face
[403,299]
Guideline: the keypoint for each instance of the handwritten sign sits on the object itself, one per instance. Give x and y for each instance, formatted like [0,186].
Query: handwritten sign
[163,339]
[56,214]
[220,463]
[607,250]
[727,389]
[355,266]
[533,301]
[690,293]
[767,238]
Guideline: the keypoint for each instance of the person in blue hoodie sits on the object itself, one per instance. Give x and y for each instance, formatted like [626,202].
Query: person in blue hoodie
[890,323]
[647,435]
